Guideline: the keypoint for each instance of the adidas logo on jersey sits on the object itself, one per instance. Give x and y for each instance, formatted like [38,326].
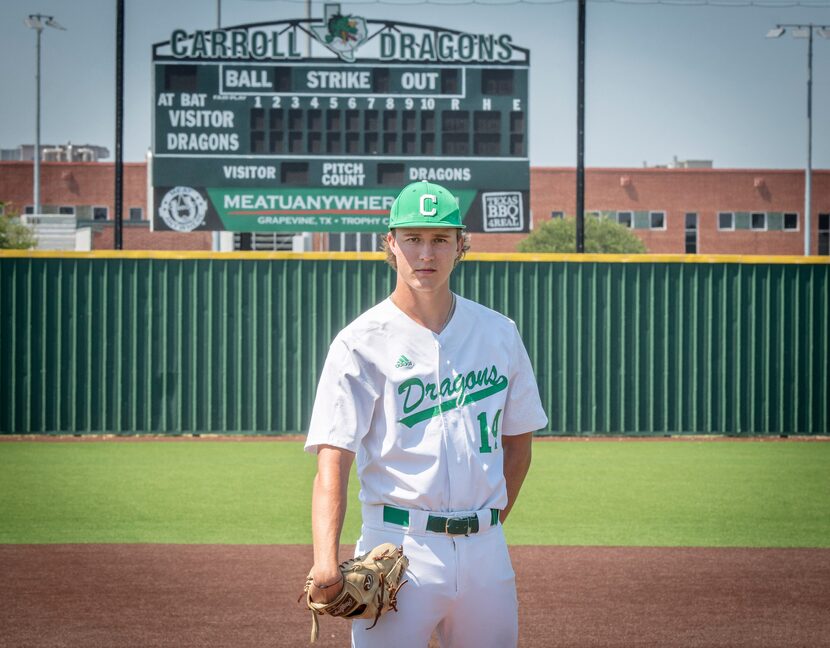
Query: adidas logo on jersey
[403,363]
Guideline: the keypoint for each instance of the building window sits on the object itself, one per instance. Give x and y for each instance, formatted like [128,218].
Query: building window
[691,233]
[657,220]
[29,209]
[824,234]
[625,218]
[353,242]
[100,213]
[758,221]
[790,222]
[66,210]
[557,214]
[136,213]
[726,221]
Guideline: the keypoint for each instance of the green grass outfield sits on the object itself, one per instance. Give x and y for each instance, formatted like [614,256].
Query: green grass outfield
[625,493]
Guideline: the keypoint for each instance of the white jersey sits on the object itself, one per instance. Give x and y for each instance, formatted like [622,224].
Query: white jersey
[425,412]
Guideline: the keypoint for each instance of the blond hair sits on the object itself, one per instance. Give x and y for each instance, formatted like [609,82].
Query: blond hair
[393,262]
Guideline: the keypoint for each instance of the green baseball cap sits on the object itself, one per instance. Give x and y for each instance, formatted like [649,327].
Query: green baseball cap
[425,204]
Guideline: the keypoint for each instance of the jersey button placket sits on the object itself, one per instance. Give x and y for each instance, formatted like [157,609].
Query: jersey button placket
[445,433]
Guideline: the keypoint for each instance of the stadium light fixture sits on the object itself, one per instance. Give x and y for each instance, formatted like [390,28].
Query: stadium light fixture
[38,22]
[806,31]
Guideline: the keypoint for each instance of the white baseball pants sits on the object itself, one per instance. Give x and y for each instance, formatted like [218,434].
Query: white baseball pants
[461,586]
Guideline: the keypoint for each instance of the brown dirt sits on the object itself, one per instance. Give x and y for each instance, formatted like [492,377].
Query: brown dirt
[245,596]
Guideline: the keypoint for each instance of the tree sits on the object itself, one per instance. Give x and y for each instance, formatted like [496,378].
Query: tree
[14,235]
[602,236]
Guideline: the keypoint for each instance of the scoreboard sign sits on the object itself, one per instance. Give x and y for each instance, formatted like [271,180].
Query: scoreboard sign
[250,134]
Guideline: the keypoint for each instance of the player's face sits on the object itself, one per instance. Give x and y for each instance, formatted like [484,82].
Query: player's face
[425,256]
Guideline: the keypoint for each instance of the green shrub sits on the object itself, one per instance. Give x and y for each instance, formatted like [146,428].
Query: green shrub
[602,236]
[14,235]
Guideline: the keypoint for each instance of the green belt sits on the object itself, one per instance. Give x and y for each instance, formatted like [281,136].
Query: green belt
[438,523]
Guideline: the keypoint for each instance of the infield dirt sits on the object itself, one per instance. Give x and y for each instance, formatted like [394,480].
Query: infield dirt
[246,596]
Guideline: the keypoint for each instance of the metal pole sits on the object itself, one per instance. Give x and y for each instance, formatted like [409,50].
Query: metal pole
[214,236]
[580,132]
[824,31]
[308,38]
[808,179]
[119,122]
[37,126]
[37,22]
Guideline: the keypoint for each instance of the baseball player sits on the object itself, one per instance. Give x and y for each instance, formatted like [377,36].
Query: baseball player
[435,396]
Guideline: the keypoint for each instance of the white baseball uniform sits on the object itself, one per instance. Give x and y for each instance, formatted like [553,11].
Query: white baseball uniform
[425,413]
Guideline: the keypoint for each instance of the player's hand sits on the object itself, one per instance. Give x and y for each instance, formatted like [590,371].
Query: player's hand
[332,580]
[363,587]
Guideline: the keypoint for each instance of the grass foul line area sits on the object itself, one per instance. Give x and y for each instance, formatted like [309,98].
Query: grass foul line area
[598,493]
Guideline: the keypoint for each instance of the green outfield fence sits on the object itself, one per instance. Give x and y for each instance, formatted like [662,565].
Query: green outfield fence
[181,343]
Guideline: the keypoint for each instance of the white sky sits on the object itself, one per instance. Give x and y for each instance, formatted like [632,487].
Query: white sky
[698,82]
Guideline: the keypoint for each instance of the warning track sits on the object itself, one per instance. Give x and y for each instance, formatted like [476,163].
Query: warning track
[246,596]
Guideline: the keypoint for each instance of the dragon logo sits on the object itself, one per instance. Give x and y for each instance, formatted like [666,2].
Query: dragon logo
[341,34]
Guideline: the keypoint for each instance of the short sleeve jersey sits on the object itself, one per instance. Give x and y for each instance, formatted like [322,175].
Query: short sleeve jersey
[425,412]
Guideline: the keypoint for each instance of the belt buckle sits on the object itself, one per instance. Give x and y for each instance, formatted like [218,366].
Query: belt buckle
[458,526]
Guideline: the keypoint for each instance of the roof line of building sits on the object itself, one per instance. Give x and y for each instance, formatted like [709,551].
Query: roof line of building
[534,168]
[676,170]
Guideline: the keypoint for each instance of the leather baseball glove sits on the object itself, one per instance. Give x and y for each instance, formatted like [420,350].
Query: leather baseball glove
[370,587]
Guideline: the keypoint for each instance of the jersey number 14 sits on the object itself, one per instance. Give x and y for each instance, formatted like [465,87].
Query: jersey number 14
[486,431]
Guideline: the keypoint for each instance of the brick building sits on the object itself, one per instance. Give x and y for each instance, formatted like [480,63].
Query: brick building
[85,190]
[674,211]
[704,211]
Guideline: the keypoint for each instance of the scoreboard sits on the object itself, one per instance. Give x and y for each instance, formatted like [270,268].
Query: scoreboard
[249,135]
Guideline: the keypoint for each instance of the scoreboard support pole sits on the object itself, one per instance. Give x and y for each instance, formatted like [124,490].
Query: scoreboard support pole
[119,123]
[580,132]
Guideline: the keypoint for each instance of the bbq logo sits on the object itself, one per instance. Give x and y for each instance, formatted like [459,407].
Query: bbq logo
[502,211]
[341,34]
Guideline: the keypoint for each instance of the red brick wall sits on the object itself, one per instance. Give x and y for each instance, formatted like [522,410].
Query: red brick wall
[74,183]
[93,183]
[481,242]
[678,191]
[141,238]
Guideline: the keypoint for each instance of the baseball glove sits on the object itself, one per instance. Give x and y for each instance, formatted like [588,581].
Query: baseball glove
[370,587]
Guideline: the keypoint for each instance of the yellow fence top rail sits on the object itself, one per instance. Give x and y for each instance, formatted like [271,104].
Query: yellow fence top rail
[379,256]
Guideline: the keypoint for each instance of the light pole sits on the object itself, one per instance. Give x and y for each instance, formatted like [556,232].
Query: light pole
[38,22]
[580,128]
[806,31]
